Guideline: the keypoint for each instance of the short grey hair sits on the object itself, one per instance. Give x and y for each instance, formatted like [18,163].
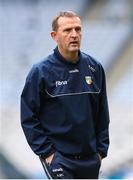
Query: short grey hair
[62,14]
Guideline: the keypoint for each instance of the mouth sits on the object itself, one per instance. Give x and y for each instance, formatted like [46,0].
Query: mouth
[74,42]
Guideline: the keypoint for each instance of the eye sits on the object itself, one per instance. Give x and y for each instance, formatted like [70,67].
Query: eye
[78,29]
[67,30]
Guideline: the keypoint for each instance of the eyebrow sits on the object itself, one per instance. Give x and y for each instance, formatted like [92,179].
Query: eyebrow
[69,28]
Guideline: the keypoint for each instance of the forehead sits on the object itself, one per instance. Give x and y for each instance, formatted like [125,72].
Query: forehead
[64,22]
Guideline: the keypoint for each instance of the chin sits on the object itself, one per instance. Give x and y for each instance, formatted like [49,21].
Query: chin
[74,49]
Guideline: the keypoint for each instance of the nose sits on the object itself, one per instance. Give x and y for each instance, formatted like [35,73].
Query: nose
[74,33]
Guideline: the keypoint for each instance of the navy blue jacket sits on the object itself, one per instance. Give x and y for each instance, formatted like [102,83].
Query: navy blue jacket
[64,107]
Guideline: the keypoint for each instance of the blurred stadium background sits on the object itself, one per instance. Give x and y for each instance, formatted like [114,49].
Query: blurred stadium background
[24,39]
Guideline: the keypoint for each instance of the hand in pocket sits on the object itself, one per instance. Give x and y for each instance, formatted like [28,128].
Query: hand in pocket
[49,159]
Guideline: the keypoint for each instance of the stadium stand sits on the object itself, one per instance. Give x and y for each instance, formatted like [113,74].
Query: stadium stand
[25,39]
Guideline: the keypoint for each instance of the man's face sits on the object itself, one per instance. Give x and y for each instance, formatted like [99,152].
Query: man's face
[68,34]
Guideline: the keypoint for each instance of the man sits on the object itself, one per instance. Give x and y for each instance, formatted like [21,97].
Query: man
[64,110]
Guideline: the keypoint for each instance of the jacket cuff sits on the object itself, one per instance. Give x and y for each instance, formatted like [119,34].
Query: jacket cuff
[103,155]
[45,155]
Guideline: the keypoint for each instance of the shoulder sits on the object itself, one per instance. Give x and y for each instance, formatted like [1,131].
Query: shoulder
[41,68]
[45,63]
[93,64]
[90,59]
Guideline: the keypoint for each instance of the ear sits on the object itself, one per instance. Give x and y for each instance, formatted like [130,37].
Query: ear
[54,35]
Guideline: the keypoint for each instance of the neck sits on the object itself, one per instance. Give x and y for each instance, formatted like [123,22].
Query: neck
[70,56]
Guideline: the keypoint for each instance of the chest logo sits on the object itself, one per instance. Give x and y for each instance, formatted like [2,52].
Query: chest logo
[74,71]
[60,83]
[88,79]
[91,68]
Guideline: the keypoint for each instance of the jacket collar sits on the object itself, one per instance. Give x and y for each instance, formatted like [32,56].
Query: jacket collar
[62,59]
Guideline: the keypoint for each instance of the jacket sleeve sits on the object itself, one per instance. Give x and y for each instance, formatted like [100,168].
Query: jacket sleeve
[102,127]
[30,109]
